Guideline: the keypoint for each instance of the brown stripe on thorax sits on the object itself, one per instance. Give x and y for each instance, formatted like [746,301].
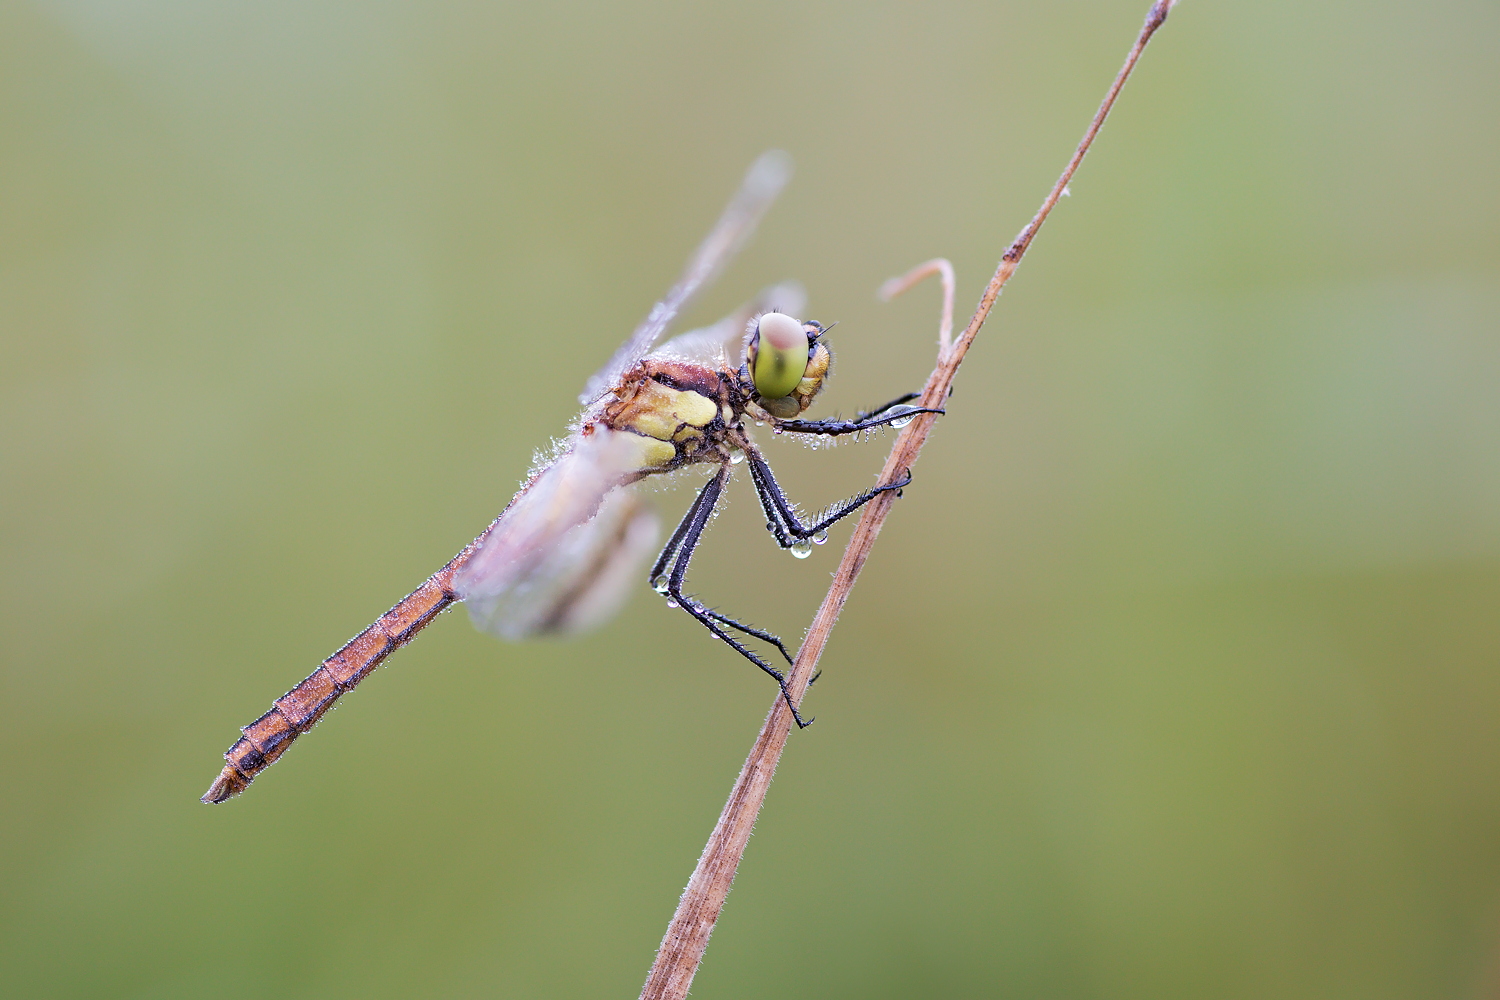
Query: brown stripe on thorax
[685,375]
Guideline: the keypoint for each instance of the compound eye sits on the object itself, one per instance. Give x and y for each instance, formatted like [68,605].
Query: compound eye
[778,355]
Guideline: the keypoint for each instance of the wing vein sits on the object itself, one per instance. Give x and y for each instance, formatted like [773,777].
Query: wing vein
[763,182]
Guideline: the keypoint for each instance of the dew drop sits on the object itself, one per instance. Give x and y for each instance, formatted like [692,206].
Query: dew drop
[820,538]
[801,548]
[908,414]
[736,457]
[671,603]
[660,584]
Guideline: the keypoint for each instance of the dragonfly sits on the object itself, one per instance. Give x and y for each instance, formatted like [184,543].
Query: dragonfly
[560,557]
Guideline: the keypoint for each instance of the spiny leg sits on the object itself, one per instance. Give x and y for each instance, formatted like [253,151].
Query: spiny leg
[679,552]
[773,501]
[659,582]
[768,637]
[889,413]
[900,400]
[783,521]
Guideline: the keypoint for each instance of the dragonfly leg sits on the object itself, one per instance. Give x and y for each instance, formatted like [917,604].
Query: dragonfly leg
[759,633]
[670,549]
[679,552]
[895,410]
[665,558]
[783,521]
[900,400]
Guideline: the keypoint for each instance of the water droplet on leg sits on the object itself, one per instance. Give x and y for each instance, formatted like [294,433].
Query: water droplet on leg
[908,414]
[801,548]
[660,584]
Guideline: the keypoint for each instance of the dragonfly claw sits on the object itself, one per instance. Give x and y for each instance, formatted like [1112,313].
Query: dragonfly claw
[901,481]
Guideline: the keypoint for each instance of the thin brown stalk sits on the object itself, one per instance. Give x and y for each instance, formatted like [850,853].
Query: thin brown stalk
[942,268]
[687,935]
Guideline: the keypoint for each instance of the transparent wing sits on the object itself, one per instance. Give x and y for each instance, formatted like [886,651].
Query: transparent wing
[724,341]
[563,554]
[763,182]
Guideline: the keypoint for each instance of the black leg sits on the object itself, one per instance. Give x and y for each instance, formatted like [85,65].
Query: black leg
[901,400]
[660,566]
[772,501]
[759,633]
[893,411]
[783,521]
[679,552]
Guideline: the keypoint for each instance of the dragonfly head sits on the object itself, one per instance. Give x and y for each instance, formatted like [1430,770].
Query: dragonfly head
[786,363]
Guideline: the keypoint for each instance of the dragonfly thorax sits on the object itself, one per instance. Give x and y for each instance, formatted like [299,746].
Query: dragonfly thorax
[670,413]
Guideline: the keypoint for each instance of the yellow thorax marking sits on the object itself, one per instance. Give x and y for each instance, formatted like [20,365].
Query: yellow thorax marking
[650,453]
[658,411]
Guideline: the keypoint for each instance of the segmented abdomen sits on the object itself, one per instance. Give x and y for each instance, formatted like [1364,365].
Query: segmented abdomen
[295,712]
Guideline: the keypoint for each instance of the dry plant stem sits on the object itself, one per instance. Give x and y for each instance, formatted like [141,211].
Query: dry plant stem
[687,935]
[942,268]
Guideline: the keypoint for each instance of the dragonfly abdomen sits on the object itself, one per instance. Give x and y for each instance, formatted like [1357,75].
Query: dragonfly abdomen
[297,711]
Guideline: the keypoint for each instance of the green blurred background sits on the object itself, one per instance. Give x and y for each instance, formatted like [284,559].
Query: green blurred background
[1175,674]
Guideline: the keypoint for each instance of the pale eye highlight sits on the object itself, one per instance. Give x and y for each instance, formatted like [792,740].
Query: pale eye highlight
[780,355]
